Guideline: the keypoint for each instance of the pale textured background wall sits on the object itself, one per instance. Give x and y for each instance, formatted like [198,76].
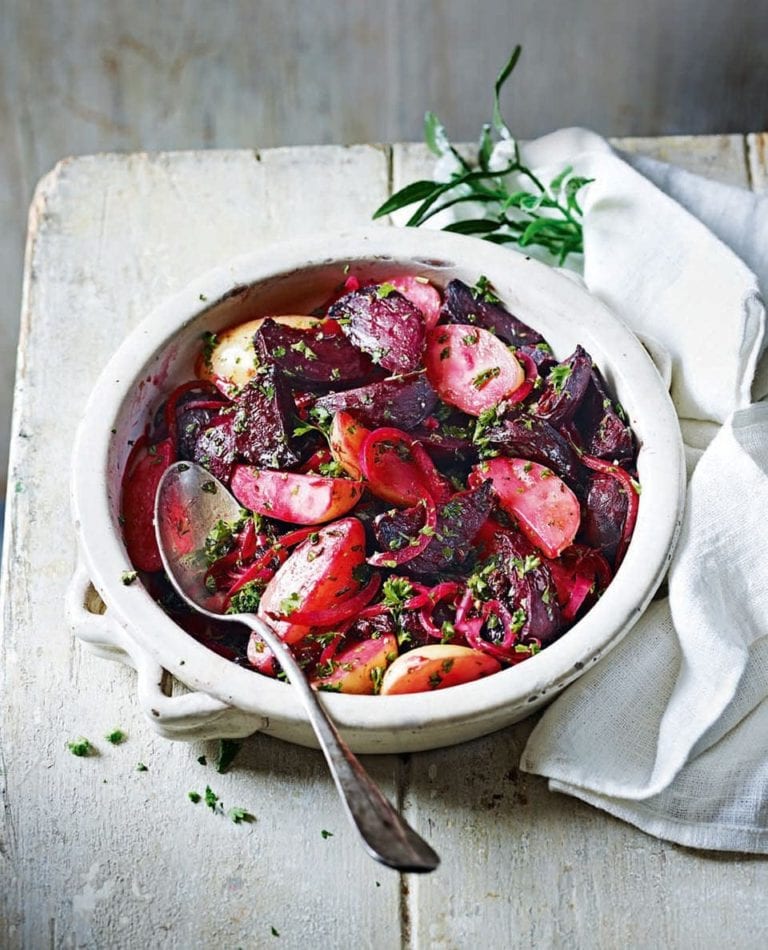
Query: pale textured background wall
[80,76]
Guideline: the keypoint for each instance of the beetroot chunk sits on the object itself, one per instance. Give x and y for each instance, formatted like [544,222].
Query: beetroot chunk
[600,421]
[401,402]
[215,448]
[528,437]
[565,388]
[385,324]
[263,422]
[465,304]
[522,580]
[604,515]
[458,522]
[317,357]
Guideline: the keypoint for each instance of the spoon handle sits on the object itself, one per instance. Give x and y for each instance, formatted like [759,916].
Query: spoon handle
[386,836]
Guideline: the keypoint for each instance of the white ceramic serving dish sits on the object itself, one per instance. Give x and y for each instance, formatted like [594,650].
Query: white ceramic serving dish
[222,699]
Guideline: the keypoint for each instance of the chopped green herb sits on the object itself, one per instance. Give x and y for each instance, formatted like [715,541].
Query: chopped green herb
[483,378]
[210,342]
[290,604]
[247,599]
[211,799]
[396,591]
[275,933]
[228,749]
[140,767]
[377,675]
[202,759]
[384,290]
[81,747]
[128,577]
[559,376]
[279,352]
[326,834]
[194,797]
[116,736]
[209,488]
[482,290]
[301,347]
[239,815]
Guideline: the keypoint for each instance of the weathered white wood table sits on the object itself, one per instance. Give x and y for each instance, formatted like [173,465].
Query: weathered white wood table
[95,853]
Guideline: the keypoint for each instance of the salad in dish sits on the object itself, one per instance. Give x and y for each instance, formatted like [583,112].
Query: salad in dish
[428,494]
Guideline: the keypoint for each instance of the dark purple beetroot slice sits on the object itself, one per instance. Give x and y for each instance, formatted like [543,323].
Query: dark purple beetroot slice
[523,581]
[190,423]
[385,324]
[542,356]
[458,522]
[401,402]
[215,448]
[565,388]
[604,514]
[315,357]
[444,448]
[462,304]
[599,420]
[528,437]
[263,422]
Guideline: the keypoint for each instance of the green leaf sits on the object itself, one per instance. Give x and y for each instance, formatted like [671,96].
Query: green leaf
[420,215]
[498,122]
[573,187]
[485,147]
[416,191]
[473,226]
[557,183]
[228,749]
[435,135]
[534,229]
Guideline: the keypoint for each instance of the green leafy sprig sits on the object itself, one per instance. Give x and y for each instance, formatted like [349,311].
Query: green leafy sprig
[528,213]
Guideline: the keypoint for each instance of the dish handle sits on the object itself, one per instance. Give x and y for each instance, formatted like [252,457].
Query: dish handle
[186,716]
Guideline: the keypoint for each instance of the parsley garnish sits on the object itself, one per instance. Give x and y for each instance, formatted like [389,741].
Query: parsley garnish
[81,747]
[194,797]
[559,376]
[210,342]
[239,815]
[247,599]
[326,834]
[482,290]
[128,577]
[384,290]
[228,749]
[140,767]
[301,347]
[290,604]
[377,675]
[116,736]
[483,378]
[396,591]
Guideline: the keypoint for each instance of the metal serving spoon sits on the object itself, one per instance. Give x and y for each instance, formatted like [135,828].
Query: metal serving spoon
[188,503]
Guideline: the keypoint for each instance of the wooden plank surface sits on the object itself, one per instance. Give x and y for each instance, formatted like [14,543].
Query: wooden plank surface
[94,853]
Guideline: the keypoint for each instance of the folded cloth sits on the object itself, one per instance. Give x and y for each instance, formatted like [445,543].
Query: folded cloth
[670,730]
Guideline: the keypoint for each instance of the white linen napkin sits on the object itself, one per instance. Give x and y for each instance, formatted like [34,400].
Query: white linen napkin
[670,730]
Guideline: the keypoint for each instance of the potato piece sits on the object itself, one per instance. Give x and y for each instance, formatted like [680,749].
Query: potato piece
[358,668]
[436,666]
[231,363]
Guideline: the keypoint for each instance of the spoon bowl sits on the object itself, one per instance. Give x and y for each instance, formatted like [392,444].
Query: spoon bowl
[188,504]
